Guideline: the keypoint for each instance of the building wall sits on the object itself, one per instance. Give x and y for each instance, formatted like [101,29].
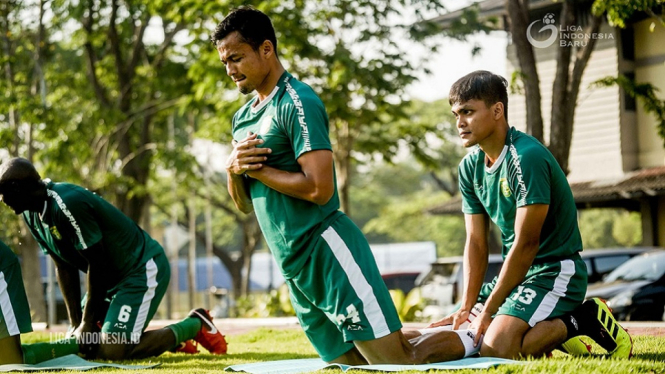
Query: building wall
[649,67]
[596,145]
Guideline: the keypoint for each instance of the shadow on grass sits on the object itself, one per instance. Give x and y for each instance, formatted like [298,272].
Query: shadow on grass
[248,356]
[225,360]
[650,356]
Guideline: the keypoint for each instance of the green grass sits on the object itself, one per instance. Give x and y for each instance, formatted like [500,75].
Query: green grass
[268,345]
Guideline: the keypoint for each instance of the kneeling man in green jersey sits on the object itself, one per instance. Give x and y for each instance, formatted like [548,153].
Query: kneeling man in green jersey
[281,168]
[535,303]
[127,271]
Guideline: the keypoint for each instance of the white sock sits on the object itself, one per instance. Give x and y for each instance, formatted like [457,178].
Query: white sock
[432,330]
[467,337]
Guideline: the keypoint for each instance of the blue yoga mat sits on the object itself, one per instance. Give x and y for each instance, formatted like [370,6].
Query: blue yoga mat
[69,362]
[314,364]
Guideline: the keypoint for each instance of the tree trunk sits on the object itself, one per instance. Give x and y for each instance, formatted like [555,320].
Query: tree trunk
[32,276]
[563,125]
[560,101]
[5,32]
[251,240]
[342,156]
[28,250]
[518,21]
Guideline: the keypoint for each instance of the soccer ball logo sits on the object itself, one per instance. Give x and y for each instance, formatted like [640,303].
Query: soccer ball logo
[548,19]
[548,25]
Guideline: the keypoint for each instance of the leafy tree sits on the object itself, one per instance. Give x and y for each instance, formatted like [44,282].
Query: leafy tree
[646,93]
[571,61]
[627,229]
[346,51]
[91,97]
[603,228]
[22,110]
[394,200]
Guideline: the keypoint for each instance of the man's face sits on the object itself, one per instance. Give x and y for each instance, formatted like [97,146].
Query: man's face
[244,65]
[475,121]
[13,198]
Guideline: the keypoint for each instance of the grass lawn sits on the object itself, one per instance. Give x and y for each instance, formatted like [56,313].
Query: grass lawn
[268,345]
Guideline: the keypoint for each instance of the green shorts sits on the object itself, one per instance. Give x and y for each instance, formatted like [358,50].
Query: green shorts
[14,307]
[549,290]
[339,295]
[134,301]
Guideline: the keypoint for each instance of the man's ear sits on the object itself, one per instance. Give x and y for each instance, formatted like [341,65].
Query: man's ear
[497,110]
[267,49]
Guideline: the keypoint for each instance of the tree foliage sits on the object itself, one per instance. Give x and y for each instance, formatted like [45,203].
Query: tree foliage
[618,11]
[606,228]
[112,94]
[645,92]
[394,200]
[571,61]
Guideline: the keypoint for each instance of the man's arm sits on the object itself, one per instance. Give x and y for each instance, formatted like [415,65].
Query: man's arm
[70,285]
[314,182]
[244,157]
[97,285]
[528,224]
[476,253]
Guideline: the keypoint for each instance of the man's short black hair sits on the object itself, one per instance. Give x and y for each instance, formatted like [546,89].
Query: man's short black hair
[253,26]
[18,174]
[481,85]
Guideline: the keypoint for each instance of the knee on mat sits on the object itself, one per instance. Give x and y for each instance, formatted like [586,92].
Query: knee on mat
[499,351]
[114,352]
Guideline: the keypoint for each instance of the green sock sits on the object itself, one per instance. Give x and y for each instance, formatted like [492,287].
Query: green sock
[39,352]
[185,329]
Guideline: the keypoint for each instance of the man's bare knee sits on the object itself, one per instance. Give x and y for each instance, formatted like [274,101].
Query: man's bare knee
[500,351]
[391,349]
[114,351]
[352,357]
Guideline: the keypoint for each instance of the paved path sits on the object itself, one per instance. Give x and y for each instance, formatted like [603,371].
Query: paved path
[236,326]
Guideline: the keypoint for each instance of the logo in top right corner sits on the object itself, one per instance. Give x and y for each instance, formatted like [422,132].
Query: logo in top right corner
[569,35]
[548,21]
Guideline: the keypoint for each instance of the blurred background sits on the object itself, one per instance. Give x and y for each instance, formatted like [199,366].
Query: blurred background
[128,99]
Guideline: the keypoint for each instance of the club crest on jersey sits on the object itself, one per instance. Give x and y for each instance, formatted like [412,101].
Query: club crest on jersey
[54,231]
[266,122]
[505,187]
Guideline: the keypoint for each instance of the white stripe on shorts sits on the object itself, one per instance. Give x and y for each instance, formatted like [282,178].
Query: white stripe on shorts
[7,308]
[559,290]
[151,281]
[359,283]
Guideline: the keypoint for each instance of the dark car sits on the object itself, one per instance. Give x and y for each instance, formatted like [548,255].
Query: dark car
[600,262]
[405,281]
[635,290]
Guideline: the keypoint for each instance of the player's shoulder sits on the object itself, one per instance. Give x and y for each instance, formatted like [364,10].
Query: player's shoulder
[471,158]
[67,194]
[526,146]
[297,93]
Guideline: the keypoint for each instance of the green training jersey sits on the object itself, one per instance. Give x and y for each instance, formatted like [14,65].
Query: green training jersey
[291,121]
[7,256]
[525,173]
[75,219]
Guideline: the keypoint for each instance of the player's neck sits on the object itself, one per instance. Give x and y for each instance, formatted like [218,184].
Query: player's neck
[268,85]
[493,145]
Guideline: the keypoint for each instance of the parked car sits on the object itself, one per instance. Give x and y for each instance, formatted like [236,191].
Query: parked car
[636,289]
[443,285]
[600,262]
[405,281]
